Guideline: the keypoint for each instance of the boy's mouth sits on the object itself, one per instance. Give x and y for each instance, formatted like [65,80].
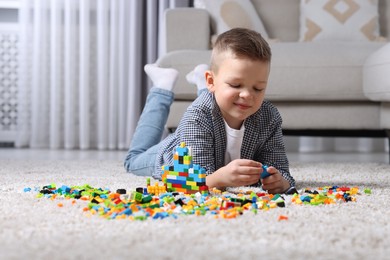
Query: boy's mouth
[242,106]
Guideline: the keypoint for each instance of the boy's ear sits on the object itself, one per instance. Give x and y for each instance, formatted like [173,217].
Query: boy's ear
[209,80]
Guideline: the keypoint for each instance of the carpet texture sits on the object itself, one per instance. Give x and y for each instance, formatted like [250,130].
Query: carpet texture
[39,229]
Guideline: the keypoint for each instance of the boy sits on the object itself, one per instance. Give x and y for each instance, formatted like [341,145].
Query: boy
[231,129]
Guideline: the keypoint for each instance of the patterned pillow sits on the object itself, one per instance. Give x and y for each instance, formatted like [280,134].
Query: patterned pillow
[228,14]
[343,20]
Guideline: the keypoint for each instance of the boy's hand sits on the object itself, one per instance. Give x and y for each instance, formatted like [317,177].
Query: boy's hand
[239,172]
[275,183]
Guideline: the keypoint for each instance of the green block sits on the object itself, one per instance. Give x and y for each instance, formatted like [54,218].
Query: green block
[153,206]
[146,199]
[91,205]
[138,196]
[140,218]
[367,191]
[187,187]
[173,173]
[276,196]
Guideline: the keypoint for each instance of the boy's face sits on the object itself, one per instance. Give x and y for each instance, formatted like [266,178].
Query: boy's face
[238,86]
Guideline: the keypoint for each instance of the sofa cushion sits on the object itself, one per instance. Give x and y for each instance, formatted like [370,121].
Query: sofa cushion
[376,79]
[330,115]
[316,115]
[228,14]
[300,71]
[329,20]
[280,18]
[318,70]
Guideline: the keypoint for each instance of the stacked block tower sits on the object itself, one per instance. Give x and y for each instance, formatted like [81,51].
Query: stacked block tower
[184,176]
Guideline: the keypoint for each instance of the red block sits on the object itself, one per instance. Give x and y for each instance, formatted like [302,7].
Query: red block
[204,187]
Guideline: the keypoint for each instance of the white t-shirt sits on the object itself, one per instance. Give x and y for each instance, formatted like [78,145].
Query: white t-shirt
[233,143]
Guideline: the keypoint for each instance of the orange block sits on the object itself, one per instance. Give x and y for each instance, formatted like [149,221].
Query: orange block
[282,217]
[180,190]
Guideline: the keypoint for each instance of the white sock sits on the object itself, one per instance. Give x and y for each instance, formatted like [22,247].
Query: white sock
[197,76]
[164,78]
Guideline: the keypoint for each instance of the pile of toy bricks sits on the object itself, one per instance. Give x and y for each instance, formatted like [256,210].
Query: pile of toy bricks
[184,176]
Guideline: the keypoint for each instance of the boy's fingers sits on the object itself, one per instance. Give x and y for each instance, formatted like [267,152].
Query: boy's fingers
[253,170]
[246,162]
[272,169]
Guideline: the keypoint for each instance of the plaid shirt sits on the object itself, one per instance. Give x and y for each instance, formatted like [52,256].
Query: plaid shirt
[203,129]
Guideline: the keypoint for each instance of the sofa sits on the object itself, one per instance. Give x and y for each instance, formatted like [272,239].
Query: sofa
[321,87]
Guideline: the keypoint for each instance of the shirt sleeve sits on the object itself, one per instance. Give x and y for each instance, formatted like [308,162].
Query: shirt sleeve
[272,152]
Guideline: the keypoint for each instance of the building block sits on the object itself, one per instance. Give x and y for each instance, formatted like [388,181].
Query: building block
[264,174]
[184,176]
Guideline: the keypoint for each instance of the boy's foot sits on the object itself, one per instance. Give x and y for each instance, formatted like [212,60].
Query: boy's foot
[164,78]
[197,76]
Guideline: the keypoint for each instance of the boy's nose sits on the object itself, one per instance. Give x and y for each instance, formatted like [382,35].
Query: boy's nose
[244,94]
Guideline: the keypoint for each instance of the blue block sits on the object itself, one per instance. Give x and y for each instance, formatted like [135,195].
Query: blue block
[65,189]
[265,174]
[181,178]
[305,198]
[127,212]
[180,167]
[181,151]
[177,182]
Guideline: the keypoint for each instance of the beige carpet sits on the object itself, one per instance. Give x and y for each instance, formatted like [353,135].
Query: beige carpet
[32,228]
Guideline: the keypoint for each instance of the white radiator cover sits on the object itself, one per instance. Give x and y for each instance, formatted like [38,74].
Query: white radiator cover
[9,55]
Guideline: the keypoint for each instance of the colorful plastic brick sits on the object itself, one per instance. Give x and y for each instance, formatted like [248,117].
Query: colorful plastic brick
[184,176]
[264,174]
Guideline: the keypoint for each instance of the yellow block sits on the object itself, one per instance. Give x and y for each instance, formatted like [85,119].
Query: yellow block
[191,183]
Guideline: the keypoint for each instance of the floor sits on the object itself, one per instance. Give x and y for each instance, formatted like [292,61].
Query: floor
[45,154]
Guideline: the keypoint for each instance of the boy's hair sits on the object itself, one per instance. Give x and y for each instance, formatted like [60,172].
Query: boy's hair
[241,42]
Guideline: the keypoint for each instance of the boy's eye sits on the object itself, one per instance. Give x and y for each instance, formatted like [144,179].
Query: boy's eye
[258,90]
[234,85]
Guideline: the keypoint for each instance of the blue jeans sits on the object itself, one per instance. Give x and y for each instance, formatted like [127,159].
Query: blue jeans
[145,144]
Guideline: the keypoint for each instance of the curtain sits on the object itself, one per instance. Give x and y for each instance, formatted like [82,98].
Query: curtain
[81,79]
